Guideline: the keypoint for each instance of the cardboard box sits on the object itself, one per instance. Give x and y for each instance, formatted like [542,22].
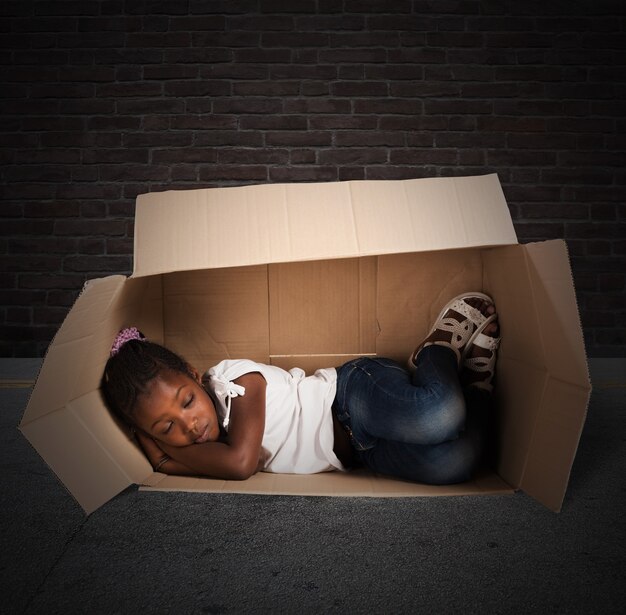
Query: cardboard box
[311,275]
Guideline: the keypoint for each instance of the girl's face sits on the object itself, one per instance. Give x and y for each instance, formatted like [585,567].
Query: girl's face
[177,411]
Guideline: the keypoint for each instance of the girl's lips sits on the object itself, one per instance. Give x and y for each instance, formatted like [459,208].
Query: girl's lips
[203,437]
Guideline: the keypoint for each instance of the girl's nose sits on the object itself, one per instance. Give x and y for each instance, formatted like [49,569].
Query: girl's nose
[191,424]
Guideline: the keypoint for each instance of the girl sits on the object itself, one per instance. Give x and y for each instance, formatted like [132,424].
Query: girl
[425,423]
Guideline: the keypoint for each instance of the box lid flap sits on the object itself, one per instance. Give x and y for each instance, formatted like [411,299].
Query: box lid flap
[565,396]
[86,449]
[70,369]
[66,420]
[227,227]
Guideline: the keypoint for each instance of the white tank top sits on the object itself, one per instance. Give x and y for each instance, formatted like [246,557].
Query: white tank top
[298,436]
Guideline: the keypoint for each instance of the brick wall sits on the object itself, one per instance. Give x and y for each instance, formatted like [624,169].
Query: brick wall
[103,100]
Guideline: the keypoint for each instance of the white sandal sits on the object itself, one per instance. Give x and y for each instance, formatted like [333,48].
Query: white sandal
[482,365]
[463,332]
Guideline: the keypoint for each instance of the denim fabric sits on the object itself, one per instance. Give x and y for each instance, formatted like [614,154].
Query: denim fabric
[413,426]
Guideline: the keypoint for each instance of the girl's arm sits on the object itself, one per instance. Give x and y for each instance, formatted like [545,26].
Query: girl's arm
[239,457]
[160,460]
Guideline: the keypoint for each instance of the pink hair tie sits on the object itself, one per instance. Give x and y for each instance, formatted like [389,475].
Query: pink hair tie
[125,335]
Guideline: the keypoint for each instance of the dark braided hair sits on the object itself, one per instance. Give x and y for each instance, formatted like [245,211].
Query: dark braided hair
[129,372]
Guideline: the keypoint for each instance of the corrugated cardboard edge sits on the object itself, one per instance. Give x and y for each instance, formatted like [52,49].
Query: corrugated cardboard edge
[356,483]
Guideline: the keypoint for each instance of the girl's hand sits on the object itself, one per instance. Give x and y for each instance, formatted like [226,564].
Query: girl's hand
[150,448]
[160,459]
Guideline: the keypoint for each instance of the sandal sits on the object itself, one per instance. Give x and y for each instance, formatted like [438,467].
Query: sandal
[463,332]
[483,365]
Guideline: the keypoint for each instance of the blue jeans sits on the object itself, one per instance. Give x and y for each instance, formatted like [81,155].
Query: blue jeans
[415,426]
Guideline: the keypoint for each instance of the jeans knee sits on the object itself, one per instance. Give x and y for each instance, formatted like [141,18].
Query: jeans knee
[448,421]
[455,465]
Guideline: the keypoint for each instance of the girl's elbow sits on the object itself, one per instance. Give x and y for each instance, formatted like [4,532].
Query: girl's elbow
[242,473]
[244,469]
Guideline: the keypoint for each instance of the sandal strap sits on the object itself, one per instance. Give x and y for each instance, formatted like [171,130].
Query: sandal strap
[475,316]
[482,365]
[460,331]
[486,364]
[486,342]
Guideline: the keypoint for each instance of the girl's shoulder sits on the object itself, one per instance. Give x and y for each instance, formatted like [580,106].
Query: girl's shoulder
[230,369]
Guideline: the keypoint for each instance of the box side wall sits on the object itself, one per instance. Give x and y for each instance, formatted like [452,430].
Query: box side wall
[562,414]
[560,326]
[412,290]
[322,309]
[217,314]
[313,314]
[555,441]
[542,393]
[521,368]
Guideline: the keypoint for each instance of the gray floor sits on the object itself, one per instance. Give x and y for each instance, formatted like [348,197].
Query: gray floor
[195,553]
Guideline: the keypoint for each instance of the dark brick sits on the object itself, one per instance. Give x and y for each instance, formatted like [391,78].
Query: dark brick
[302,156]
[303,174]
[253,156]
[274,122]
[352,155]
[337,56]
[294,39]
[343,122]
[85,263]
[102,101]
[266,88]
[247,105]
[318,106]
[260,23]
[50,281]
[422,156]
[246,138]
[222,172]
[296,138]
[359,88]
[203,122]
[197,88]
[85,228]
[183,155]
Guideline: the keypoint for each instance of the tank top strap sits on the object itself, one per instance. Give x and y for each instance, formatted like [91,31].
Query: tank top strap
[225,390]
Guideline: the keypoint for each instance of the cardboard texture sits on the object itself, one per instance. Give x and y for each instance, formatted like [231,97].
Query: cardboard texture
[312,275]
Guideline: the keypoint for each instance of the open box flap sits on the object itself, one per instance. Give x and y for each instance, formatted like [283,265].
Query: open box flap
[567,389]
[66,420]
[543,380]
[271,223]
[76,357]
[87,450]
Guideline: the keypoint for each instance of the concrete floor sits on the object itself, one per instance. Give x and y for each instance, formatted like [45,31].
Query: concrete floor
[207,553]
